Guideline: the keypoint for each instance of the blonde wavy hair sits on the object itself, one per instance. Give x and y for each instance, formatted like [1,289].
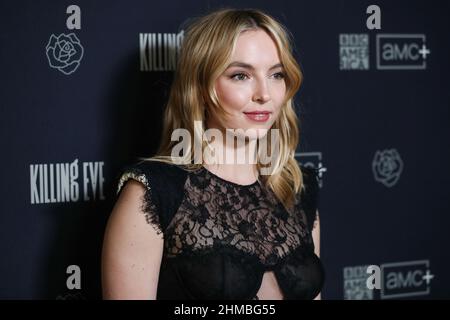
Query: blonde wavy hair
[206,49]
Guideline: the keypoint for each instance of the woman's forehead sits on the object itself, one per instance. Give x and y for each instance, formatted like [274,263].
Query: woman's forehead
[255,49]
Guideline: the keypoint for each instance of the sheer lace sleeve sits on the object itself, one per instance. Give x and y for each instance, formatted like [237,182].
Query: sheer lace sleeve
[310,194]
[148,207]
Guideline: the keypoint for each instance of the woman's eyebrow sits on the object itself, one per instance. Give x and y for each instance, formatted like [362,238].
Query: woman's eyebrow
[249,66]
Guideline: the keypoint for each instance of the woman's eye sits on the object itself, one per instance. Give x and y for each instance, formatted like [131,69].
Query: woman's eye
[279,75]
[239,76]
[243,76]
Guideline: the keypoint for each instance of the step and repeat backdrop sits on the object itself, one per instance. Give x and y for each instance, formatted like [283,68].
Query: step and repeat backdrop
[83,86]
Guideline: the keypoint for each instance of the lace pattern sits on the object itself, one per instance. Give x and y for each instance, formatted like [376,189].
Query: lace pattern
[217,213]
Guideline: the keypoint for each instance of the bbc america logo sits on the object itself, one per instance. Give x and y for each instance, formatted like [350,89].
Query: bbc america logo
[354,51]
[393,52]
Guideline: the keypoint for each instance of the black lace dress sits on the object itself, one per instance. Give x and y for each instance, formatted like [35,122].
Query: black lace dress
[221,237]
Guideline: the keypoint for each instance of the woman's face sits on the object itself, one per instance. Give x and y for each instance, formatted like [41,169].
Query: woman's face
[252,88]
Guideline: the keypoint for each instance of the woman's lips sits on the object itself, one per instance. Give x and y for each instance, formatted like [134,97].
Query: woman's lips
[258,116]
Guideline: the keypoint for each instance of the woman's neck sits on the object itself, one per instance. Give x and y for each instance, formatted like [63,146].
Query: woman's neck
[237,163]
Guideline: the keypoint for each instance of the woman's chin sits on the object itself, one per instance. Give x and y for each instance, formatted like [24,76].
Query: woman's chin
[251,133]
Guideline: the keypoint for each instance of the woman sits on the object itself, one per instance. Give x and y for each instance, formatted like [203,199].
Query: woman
[221,230]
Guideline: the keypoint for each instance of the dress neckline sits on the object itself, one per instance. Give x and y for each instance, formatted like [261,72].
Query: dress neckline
[229,182]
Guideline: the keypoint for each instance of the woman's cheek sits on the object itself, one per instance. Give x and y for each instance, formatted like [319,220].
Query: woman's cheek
[235,98]
[280,96]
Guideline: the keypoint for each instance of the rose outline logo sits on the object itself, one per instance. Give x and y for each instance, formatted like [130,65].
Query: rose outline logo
[387,167]
[64,52]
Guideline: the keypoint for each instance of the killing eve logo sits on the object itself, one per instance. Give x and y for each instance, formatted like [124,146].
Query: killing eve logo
[66,182]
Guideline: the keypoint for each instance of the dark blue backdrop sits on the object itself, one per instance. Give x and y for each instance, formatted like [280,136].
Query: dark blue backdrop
[76,106]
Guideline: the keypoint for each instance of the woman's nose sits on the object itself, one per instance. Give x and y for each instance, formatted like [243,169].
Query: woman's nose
[261,93]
